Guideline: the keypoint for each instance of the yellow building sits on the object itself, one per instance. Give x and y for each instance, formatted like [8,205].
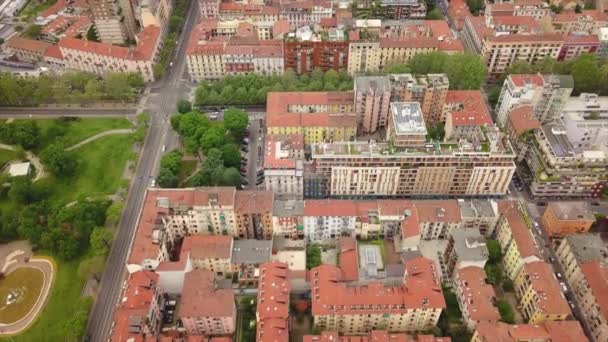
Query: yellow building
[318,116]
[516,242]
[539,294]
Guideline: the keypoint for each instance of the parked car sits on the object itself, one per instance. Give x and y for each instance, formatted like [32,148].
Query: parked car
[559,275]
[564,287]
[153,183]
[246,140]
[245,149]
[244,169]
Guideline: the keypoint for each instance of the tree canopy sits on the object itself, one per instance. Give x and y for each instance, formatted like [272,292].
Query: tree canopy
[61,163]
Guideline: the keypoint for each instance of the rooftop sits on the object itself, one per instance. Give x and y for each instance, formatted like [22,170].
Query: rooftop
[469,245]
[554,331]
[522,119]
[207,246]
[288,208]
[323,109]
[376,83]
[251,251]
[520,232]
[407,118]
[438,210]
[477,208]
[555,134]
[549,297]
[471,108]
[273,302]
[571,211]
[348,259]
[478,296]
[588,247]
[596,275]
[201,298]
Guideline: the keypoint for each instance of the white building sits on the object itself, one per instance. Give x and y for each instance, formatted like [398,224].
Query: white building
[586,121]
[328,220]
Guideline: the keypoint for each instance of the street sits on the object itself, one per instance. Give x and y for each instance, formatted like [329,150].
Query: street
[160,104]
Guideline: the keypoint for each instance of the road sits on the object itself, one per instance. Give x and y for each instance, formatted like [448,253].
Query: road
[160,104]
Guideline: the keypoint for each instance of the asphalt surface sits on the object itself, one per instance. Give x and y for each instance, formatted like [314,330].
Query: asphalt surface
[160,104]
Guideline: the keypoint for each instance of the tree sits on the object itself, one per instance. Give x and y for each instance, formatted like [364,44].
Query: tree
[172,161]
[101,241]
[23,191]
[135,80]
[117,86]
[60,162]
[184,106]
[158,70]
[33,31]
[231,177]
[175,23]
[506,312]
[507,285]
[231,155]
[236,121]
[494,273]
[494,254]
[313,256]
[585,71]
[21,132]
[428,63]
[113,213]
[465,71]
[578,8]
[434,14]
[475,6]
[76,326]
[436,132]
[92,34]
[92,267]
[213,138]
[167,179]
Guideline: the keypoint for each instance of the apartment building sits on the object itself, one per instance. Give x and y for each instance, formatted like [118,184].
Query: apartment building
[437,218]
[429,90]
[301,12]
[539,293]
[318,116]
[288,218]
[474,32]
[516,242]
[306,50]
[99,58]
[247,258]
[513,24]
[458,11]
[138,315]
[204,308]
[475,296]
[533,8]
[586,120]
[547,94]
[465,114]
[500,51]
[362,169]
[397,42]
[372,98]
[64,26]
[209,252]
[108,21]
[406,127]
[273,303]
[549,331]
[329,219]
[466,247]
[372,336]
[586,22]
[404,9]
[413,306]
[584,258]
[25,49]
[170,214]
[154,13]
[560,169]
[520,123]
[565,218]
[576,45]
[479,215]
[283,169]
[253,213]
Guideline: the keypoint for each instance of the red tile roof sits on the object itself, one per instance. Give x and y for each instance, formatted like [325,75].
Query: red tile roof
[273,302]
[474,111]
[438,211]
[459,10]
[330,207]
[596,275]
[279,27]
[60,22]
[53,52]
[420,291]
[521,80]
[82,24]
[207,246]
[278,115]
[548,331]
[349,263]
[549,297]
[521,234]
[522,119]
[201,298]
[36,46]
[478,296]
[253,202]
[582,39]
[565,331]
[373,336]
[276,156]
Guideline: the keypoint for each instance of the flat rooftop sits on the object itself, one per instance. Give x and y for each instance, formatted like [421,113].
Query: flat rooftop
[572,211]
[588,248]
[379,83]
[407,118]
[478,208]
[555,134]
[251,251]
[288,208]
[469,245]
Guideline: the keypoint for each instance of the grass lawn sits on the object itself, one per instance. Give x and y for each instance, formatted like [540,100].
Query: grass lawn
[78,130]
[95,176]
[188,167]
[5,157]
[34,7]
[26,283]
[59,308]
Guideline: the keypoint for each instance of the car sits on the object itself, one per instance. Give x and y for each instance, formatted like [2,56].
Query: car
[552,259]
[153,183]
[564,287]
[171,303]
[535,224]
[163,148]
[559,275]
[244,149]
[246,133]
[246,140]
[244,169]
[571,305]
[541,204]
[595,204]
[244,182]
[259,181]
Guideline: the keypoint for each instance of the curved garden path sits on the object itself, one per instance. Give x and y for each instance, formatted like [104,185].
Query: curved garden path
[100,135]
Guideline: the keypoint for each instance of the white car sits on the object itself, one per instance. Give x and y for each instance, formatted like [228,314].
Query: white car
[564,287]
[153,183]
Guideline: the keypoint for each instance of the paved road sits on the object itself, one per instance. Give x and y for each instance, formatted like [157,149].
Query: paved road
[160,104]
